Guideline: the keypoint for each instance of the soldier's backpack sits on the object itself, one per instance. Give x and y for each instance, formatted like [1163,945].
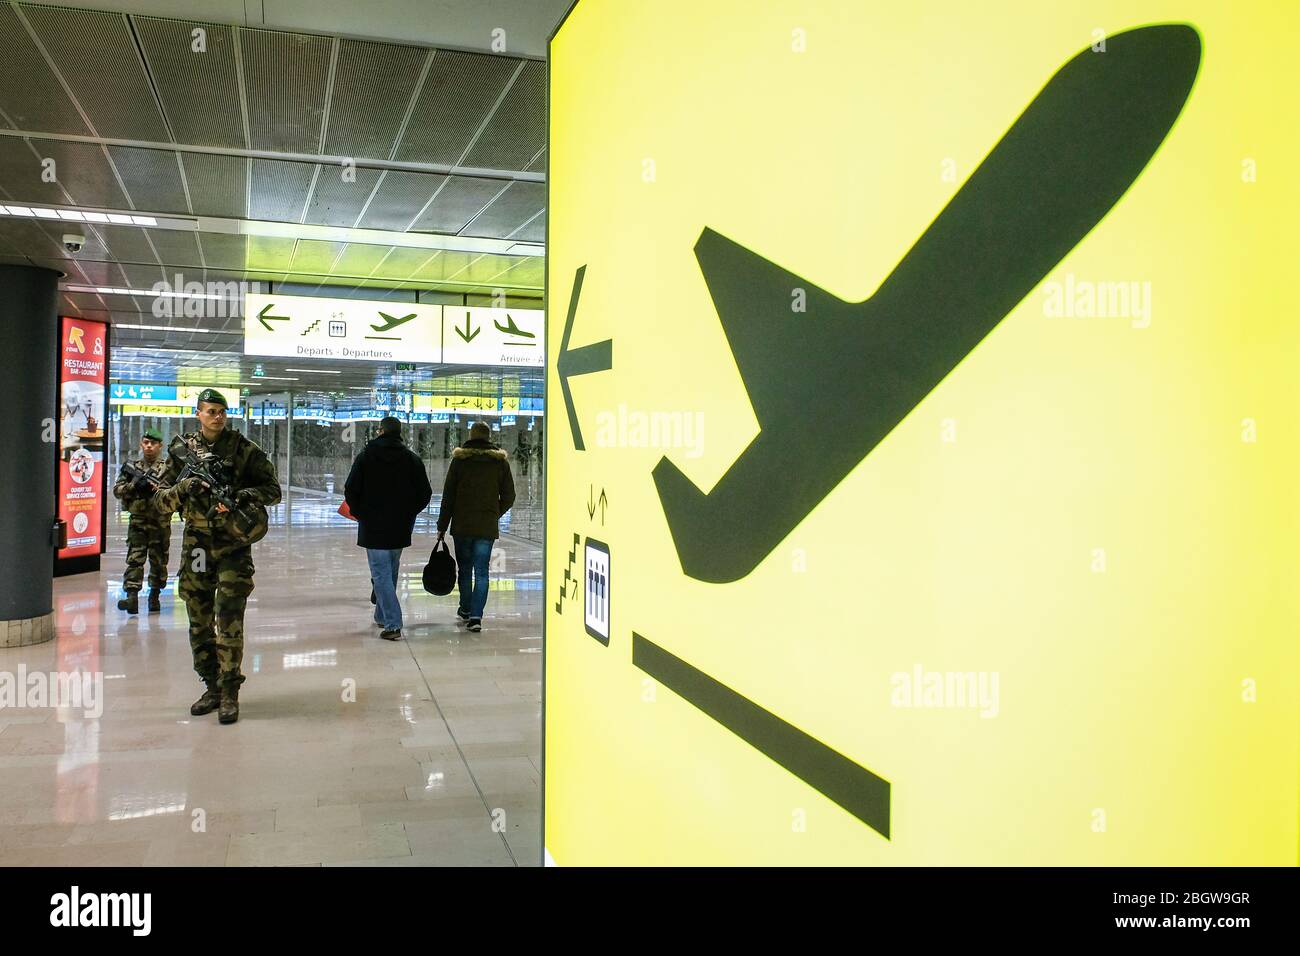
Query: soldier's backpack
[248,523]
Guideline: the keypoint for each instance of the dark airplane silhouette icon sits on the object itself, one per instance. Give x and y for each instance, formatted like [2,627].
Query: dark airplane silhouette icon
[511,329]
[828,384]
[392,323]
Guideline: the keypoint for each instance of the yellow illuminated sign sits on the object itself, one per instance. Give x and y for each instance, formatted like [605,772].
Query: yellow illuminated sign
[923,489]
[156,411]
[464,403]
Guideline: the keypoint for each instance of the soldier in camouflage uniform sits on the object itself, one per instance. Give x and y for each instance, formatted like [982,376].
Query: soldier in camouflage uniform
[216,573]
[149,531]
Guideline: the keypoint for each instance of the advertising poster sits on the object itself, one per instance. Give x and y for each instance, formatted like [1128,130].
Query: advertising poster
[82,375]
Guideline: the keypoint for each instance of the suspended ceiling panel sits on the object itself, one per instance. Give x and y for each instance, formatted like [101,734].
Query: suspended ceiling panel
[197,79]
[84,171]
[286,77]
[517,130]
[218,184]
[96,56]
[20,173]
[509,211]
[401,195]
[401,263]
[227,253]
[126,244]
[31,96]
[457,202]
[280,190]
[458,94]
[340,195]
[373,85]
[176,249]
[152,175]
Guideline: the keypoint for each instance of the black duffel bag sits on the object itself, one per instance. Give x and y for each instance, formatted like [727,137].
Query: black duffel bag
[440,573]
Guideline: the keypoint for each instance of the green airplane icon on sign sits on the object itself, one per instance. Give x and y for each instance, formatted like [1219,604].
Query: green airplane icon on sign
[391,323]
[511,329]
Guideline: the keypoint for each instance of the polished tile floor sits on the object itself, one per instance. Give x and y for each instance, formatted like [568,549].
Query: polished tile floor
[349,750]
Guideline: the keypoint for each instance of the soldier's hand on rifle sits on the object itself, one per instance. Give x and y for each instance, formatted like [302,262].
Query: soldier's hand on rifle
[189,485]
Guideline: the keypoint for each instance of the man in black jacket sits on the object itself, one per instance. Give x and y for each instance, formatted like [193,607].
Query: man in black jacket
[385,491]
[479,490]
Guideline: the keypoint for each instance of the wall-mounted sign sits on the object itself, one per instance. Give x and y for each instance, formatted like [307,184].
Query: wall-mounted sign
[1058,535]
[296,326]
[83,367]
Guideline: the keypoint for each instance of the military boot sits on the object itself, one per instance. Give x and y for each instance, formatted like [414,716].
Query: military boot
[229,712]
[130,603]
[154,604]
[209,702]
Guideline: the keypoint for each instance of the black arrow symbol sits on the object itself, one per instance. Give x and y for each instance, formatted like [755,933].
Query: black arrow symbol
[597,357]
[591,504]
[266,320]
[604,503]
[467,335]
[863,366]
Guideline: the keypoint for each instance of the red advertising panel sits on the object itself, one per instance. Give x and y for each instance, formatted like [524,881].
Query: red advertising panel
[83,372]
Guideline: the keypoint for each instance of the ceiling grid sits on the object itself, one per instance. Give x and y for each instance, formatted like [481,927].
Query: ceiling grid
[222,129]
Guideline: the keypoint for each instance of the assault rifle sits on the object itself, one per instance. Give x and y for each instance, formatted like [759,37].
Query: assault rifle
[210,471]
[142,482]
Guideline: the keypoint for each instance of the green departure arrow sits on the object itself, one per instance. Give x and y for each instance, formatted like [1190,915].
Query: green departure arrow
[266,320]
[470,331]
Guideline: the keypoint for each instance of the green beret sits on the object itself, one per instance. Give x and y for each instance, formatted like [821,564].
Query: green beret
[153,434]
[212,395]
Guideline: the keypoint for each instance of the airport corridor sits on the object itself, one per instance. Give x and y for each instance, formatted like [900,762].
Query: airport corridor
[349,749]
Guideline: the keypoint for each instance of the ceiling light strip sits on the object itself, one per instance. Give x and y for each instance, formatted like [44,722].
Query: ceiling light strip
[409,166]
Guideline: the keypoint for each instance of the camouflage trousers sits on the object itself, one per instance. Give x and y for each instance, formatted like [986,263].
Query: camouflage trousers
[151,541]
[216,578]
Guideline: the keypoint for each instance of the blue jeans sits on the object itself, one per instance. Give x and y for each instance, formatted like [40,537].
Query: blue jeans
[383,575]
[472,557]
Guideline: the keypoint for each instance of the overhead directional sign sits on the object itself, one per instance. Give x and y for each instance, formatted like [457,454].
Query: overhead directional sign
[350,329]
[916,462]
[403,333]
[183,397]
[465,403]
[493,336]
[120,393]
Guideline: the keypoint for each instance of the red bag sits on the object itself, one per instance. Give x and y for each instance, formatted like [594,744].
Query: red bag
[345,511]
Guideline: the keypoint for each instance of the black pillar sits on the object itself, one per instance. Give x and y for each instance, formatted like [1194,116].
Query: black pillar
[29,436]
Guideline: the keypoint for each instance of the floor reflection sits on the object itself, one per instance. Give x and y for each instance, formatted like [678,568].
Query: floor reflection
[349,749]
